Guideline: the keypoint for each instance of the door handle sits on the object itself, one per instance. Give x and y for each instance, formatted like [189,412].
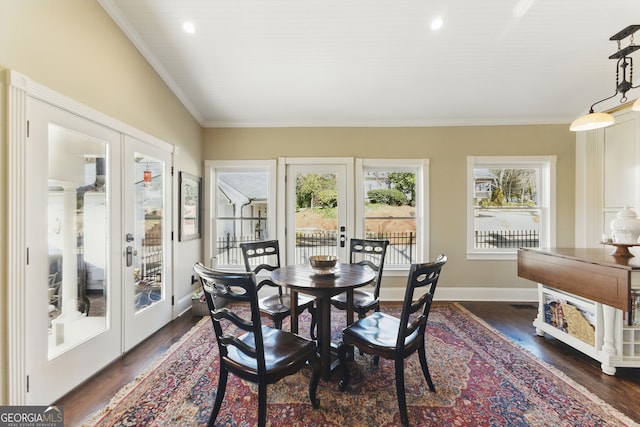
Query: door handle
[343,239]
[130,254]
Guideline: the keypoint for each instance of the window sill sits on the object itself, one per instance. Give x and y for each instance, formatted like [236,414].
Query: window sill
[492,256]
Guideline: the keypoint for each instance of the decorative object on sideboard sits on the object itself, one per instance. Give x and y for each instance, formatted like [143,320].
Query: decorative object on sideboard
[625,228]
[624,83]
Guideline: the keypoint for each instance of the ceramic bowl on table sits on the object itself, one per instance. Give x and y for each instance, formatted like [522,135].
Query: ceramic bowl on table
[323,264]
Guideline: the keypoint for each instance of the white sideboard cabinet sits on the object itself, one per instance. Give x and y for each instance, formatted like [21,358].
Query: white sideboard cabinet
[585,301]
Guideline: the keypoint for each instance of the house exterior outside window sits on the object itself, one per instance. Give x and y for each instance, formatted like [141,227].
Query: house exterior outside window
[242,195]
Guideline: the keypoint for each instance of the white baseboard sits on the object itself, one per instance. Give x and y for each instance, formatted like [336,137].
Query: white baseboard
[182,305]
[444,293]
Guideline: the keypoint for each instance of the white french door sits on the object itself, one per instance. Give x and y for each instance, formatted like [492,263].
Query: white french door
[98,276]
[318,214]
[146,240]
[73,322]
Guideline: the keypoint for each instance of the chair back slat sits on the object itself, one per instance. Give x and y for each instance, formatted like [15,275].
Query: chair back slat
[222,314]
[227,340]
[424,275]
[241,289]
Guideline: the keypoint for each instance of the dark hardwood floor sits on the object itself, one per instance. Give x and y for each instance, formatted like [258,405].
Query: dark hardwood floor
[94,394]
[622,391]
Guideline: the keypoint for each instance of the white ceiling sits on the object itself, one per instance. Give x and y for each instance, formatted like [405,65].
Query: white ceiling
[254,63]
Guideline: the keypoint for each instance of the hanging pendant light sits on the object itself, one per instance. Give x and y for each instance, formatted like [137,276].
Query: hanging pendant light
[623,85]
[592,121]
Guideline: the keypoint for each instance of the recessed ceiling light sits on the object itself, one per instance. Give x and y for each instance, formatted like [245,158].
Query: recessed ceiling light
[436,24]
[188,27]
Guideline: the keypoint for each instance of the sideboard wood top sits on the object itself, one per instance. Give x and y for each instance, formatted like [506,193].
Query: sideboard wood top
[592,273]
[601,256]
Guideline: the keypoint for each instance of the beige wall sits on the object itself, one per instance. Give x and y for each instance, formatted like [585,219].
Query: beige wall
[74,48]
[447,149]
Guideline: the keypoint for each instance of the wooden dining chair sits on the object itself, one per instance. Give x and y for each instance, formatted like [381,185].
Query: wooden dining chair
[265,256]
[370,253]
[388,337]
[248,349]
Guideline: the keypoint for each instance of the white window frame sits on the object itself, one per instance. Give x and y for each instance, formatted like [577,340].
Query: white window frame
[421,168]
[212,168]
[546,165]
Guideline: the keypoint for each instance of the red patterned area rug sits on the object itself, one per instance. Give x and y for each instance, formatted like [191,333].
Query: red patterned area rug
[481,378]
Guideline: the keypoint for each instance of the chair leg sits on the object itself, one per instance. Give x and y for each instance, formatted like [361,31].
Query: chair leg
[344,378]
[222,386]
[262,404]
[402,400]
[362,315]
[314,323]
[316,370]
[277,322]
[425,368]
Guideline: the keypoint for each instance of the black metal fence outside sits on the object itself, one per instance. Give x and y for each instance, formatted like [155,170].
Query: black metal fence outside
[507,239]
[228,249]
[314,243]
[151,264]
[402,248]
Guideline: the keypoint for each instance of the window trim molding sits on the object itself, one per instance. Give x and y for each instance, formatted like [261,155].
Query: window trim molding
[547,167]
[421,167]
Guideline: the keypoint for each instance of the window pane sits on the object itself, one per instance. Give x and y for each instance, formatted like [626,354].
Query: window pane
[242,209]
[506,208]
[316,219]
[390,212]
[77,239]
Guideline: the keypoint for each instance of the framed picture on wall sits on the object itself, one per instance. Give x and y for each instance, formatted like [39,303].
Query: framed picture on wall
[190,207]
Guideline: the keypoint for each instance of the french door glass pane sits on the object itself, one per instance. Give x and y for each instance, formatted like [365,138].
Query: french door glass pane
[77,221]
[148,254]
[316,221]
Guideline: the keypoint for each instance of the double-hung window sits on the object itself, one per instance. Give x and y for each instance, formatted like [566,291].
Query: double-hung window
[392,204]
[241,197]
[510,204]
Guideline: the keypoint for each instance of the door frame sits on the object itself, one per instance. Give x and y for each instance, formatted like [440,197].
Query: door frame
[283,166]
[16,89]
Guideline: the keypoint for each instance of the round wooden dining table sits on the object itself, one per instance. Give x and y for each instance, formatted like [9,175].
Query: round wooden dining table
[301,278]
